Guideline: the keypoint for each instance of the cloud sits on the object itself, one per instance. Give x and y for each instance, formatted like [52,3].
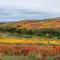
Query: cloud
[18,14]
[48,5]
[28,9]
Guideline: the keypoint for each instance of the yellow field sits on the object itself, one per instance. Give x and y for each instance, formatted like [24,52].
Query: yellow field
[30,41]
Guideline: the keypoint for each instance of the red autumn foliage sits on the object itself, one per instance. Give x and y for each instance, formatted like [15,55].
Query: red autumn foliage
[25,49]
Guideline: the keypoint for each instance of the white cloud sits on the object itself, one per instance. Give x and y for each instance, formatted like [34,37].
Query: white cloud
[28,9]
[48,5]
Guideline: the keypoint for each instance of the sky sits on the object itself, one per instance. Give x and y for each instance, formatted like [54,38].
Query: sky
[13,10]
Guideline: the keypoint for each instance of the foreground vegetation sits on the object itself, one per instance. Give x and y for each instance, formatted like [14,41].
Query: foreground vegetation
[29,52]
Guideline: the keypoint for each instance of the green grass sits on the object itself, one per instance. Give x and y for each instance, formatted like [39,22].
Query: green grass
[18,58]
[50,58]
[12,58]
[29,57]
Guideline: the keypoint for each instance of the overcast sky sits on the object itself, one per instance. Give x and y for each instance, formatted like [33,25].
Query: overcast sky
[29,9]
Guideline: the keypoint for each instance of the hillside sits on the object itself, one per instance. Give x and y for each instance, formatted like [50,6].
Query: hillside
[29,28]
[45,31]
[30,24]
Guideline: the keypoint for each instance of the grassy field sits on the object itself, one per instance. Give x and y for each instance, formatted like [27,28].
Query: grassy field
[31,57]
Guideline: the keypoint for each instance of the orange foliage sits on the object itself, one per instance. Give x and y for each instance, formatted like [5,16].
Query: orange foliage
[26,49]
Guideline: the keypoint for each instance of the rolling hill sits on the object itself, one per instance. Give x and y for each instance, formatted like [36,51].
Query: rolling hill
[51,25]
[31,24]
[31,31]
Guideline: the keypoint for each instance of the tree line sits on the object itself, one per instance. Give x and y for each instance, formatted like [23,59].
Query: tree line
[46,32]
